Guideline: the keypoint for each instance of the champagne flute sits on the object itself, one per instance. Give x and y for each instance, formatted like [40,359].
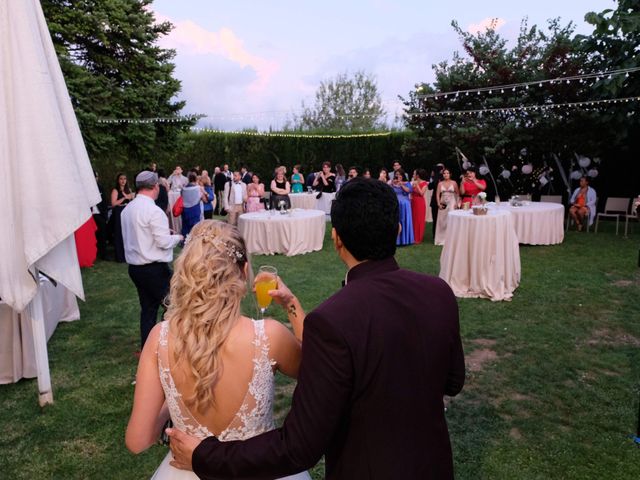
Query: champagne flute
[266,279]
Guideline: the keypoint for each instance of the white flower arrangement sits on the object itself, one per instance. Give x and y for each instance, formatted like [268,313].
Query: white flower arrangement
[482,196]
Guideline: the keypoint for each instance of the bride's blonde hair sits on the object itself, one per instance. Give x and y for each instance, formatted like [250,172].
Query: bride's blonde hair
[207,287]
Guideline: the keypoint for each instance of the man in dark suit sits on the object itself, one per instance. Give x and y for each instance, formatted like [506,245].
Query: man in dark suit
[377,358]
[436,178]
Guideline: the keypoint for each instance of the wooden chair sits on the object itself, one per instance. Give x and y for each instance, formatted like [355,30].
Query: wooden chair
[630,216]
[614,208]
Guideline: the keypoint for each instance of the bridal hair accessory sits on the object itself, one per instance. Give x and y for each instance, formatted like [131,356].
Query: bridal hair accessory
[235,253]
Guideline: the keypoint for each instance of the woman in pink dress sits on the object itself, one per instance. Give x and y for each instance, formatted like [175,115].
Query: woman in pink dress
[418,204]
[255,192]
[471,186]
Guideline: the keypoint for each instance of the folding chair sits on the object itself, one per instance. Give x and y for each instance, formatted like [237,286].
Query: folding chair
[630,216]
[551,198]
[614,204]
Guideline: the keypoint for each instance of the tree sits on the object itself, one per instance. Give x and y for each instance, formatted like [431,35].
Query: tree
[344,103]
[114,69]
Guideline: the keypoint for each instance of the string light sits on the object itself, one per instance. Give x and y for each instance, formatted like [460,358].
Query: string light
[178,119]
[540,83]
[293,135]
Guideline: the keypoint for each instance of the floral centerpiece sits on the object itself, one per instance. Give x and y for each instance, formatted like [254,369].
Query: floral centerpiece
[480,207]
[282,207]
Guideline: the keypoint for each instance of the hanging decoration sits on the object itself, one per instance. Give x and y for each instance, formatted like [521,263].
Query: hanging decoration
[295,135]
[178,119]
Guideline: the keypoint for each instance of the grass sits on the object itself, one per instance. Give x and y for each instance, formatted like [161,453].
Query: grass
[552,388]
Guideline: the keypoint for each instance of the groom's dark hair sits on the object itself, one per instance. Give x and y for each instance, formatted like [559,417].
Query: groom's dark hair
[365,216]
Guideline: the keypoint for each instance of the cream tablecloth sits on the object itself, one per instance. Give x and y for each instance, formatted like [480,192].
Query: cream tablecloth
[481,257]
[538,223]
[17,354]
[268,233]
[305,201]
[325,201]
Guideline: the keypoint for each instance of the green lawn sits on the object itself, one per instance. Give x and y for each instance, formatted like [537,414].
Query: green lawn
[552,389]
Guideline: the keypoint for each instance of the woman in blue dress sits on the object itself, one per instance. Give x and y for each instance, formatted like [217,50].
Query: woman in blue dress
[403,190]
[192,196]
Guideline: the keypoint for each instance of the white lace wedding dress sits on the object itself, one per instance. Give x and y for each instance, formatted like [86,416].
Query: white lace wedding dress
[254,417]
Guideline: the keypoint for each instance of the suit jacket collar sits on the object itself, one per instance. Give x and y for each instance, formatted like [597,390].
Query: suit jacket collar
[371,268]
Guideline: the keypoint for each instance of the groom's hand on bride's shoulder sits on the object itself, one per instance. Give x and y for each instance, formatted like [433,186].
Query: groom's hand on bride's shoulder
[182,447]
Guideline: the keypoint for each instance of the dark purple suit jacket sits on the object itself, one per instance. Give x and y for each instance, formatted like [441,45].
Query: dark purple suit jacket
[377,358]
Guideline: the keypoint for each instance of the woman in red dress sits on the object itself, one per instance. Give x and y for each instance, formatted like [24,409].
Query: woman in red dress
[471,186]
[418,204]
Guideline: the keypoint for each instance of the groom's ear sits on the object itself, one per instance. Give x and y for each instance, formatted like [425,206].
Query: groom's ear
[337,241]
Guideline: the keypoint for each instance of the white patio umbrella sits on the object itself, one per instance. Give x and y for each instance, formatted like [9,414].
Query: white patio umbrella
[46,181]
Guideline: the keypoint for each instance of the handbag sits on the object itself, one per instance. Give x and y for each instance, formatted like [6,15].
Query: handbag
[178,207]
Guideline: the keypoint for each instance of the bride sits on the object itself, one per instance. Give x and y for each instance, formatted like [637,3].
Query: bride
[207,367]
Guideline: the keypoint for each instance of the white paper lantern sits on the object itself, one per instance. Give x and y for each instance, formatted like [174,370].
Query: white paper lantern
[576,175]
[584,162]
[593,173]
[543,180]
[465,165]
[505,174]
[527,169]
[523,152]
[483,170]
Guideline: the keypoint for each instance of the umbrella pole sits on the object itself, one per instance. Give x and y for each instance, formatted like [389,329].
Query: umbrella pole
[40,346]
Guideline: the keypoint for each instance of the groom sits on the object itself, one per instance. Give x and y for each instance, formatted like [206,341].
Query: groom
[377,358]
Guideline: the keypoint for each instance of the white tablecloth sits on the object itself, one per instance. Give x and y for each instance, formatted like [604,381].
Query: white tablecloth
[17,354]
[324,202]
[305,201]
[268,233]
[175,223]
[481,257]
[538,223]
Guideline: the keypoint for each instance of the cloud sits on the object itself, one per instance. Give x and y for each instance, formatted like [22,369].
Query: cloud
[189,38]
[486,24]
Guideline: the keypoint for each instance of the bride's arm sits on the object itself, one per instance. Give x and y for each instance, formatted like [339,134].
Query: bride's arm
[149,411]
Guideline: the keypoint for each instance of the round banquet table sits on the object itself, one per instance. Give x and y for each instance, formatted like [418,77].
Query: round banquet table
[268,233]
[324,202]
[481,257]
[306,201]
[537,223]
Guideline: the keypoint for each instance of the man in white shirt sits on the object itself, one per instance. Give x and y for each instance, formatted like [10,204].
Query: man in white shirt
[235,195]
[148,249]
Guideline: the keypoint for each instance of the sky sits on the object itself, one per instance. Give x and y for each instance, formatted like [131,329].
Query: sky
[251,63]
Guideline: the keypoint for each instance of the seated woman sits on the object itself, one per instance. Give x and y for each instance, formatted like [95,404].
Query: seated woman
[297,180]
[583,204]
[208,367]
[447,195]
[471,186]
[192,197]
[255,192]
[403,189]
[325,181]
[280,190]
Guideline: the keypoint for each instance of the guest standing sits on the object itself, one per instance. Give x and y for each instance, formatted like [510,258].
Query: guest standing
[177,180]
[280,189]
[163,194]
[447,196]
[121,195]
[403,189]
[148,247]
[99,212]
[211,198]
[297,180]
[366,173]
[255,194]
[383,176]
[341,177]
[219,182]
[311,177]
[418,204]
[434,180]
[235,194]
[192,197]
[325,180]
[471,186]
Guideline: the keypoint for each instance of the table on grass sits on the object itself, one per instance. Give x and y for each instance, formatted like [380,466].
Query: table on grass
[306,201]
[481,257]
[17,352]
[269,232]
[537,223]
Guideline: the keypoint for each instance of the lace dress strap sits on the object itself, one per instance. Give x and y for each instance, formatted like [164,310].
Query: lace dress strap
[255,415]
[180,415]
